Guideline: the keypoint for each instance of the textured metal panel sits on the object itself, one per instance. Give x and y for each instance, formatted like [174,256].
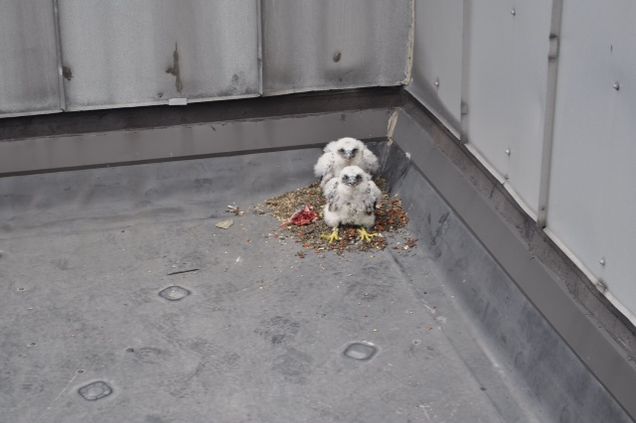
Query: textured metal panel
[28,68]
[437,59]
[120,53]
[329,44]
[592,200]
[506,75]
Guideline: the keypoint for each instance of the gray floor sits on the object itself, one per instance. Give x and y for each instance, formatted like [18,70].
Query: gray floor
[261,335]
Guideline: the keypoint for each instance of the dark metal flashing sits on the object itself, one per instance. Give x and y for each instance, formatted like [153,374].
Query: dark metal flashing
[78,122]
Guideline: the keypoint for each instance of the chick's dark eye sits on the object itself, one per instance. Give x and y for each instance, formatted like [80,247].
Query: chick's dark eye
[341,150]
[358,177]
[354,151]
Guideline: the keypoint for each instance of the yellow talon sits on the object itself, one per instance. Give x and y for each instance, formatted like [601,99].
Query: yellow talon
[366,236]
[332,237]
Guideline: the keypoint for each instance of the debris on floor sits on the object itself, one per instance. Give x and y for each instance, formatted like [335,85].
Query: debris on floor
[300,212]
[235,210]
[225,224]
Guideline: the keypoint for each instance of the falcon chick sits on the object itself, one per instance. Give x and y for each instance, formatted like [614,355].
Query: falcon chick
[341,153]
[351,199]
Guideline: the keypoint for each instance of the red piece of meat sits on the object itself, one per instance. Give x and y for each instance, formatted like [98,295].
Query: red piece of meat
[304,216]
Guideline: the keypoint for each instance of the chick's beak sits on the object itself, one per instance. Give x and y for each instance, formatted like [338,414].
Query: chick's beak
[351,180]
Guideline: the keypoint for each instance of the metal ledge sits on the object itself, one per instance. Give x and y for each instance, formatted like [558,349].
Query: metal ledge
[132,136]
[79,122]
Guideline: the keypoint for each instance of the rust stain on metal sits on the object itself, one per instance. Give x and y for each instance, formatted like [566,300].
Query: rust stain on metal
[175,70]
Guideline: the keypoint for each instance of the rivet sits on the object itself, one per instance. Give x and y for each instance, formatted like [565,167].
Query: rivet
[507,152]
[174,293]
[360,351]
[602,261]
[436,83]
[513,12]
[616,86]
[95,391]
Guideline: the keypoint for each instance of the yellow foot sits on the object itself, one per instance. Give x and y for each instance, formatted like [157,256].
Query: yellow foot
[332,237]
[366,236]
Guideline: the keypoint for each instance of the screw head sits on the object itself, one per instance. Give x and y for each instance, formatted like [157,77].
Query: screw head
[616,86]
[436,83]
[513,12]
[507,152]
[602,261]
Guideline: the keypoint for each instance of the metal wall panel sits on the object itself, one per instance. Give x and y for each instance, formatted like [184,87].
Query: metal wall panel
[592,201]
[437,59]
[329,44]
[28,69]
[121,53]
[505,90]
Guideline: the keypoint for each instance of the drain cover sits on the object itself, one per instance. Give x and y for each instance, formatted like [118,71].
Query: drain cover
[360,351]
[174,293]
[94,391]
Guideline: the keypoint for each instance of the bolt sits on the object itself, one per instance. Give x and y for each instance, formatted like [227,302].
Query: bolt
[436,83]
[507,152]
[513,12]
[602,261]
[616,86]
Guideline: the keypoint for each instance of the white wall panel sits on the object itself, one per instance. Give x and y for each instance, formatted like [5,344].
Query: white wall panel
[120,52]
[505,90]
[437,59]
[28,68]
[329,44]
[592,201]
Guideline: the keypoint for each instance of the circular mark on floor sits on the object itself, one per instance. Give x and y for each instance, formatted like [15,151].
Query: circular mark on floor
[80,371]
[130,349]
[174,293]
[360,351]
[95,391]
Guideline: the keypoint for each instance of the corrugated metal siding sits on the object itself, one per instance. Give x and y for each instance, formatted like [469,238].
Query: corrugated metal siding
[329,44]
[28,68]
[592,200]
[120,53]
[437,59]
